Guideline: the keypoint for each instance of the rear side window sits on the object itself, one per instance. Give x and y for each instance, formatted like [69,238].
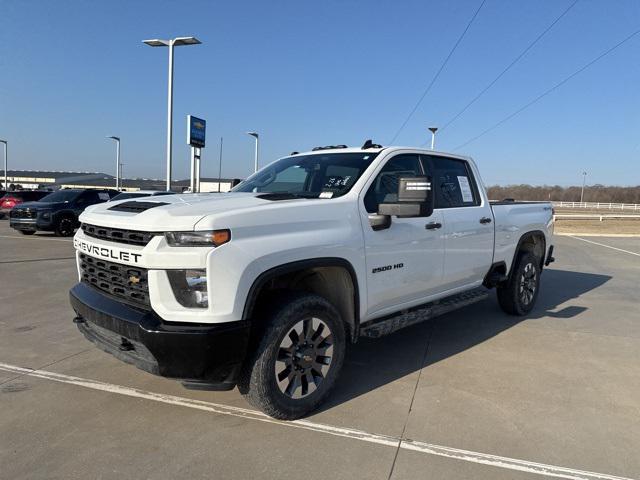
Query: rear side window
[454,184]
[91,197]
[385,187]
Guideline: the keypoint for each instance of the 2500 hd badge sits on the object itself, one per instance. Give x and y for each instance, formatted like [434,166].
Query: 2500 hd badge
[106,252]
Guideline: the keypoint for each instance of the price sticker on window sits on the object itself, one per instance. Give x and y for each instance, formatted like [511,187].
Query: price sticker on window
[465,189]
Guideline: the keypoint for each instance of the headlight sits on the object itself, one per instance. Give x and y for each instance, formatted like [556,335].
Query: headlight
[189,287]
[209,238]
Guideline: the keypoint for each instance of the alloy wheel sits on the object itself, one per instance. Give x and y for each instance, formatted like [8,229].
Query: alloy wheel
[304,358]
[528,284]
[66,227]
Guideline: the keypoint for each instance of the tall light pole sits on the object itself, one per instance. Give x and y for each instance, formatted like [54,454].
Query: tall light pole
[117,139]
[433,131]
[220,166]
[584,178]
[6,187]
[174,42]
[257,137]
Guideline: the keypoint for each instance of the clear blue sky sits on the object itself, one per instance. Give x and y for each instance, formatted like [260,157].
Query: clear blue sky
[315,73]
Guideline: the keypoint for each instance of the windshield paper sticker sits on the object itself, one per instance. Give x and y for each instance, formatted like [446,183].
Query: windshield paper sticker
[103,196]
[465,189]
[326,195]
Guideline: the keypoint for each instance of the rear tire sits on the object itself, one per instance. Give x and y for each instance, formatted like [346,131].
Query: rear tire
[27,232]
[298,358]
[65,226]
[519,294]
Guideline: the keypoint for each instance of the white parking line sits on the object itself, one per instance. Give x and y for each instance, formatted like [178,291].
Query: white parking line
[607,246]
[386,440]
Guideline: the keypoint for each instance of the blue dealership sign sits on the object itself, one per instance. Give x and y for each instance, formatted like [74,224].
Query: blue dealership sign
[196,128]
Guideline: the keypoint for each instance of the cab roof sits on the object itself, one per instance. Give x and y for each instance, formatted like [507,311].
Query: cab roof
[378,149]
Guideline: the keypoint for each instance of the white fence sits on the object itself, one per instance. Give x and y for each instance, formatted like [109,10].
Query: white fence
[595,216]
[598,205]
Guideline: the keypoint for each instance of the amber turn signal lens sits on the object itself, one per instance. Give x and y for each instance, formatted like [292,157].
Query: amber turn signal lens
[220,237]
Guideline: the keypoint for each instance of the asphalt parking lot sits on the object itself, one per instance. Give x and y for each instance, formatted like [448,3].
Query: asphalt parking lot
[474,394]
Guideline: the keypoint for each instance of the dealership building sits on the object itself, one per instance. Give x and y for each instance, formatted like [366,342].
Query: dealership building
[34,179]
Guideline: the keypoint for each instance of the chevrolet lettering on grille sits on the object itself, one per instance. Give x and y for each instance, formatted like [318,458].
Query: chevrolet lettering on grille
[106,252]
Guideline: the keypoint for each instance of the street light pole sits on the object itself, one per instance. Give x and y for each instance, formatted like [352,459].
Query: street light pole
[433,131]
[220,166]
[173,42]
[117,139]
[170,116]
[584,178]
[6,187]
[257,137]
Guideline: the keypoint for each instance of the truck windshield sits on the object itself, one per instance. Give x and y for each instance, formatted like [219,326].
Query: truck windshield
[321,175]
[60,196]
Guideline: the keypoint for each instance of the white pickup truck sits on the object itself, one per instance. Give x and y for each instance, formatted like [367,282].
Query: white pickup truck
[263,287]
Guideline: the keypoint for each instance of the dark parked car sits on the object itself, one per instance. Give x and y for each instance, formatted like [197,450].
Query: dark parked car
[57,212]
[11,199]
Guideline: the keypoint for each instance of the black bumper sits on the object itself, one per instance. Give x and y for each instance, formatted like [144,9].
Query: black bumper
[32,225]
[210,355]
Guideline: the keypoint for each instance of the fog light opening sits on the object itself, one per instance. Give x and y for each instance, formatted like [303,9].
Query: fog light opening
[189,287]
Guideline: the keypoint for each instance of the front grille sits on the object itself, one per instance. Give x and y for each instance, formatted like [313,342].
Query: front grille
[23,213]
[119,235]
[123,282]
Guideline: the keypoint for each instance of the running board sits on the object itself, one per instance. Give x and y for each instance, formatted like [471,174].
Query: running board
[386,325]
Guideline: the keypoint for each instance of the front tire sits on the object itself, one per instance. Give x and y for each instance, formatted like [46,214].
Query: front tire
[519,294]
[65,227]
[298,358]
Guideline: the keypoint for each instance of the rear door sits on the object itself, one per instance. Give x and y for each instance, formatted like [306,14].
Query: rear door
[468,222]
[405,261]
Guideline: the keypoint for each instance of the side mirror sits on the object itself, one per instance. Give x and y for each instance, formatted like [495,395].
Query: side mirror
[379,221]
[415,199]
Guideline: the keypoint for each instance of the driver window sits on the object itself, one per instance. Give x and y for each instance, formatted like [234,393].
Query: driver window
[385,187]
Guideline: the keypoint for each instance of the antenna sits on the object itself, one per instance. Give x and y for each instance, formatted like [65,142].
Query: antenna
[369,144]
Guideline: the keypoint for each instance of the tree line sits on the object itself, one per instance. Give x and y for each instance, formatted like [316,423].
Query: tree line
[592,193]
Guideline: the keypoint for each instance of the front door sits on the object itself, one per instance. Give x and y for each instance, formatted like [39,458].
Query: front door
[405,261]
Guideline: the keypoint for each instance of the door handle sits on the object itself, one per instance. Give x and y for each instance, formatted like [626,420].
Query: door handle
[484,220]
[433,226]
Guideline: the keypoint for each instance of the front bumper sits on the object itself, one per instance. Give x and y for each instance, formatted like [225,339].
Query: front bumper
[209,355]
[31,224]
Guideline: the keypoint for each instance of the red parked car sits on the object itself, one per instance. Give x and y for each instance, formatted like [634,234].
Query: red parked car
[11,199]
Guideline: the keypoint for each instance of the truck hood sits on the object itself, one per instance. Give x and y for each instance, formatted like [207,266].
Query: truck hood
[42,205]
[169,212]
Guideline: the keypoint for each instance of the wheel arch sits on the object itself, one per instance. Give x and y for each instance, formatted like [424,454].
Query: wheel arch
[316,275]
[532,241]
